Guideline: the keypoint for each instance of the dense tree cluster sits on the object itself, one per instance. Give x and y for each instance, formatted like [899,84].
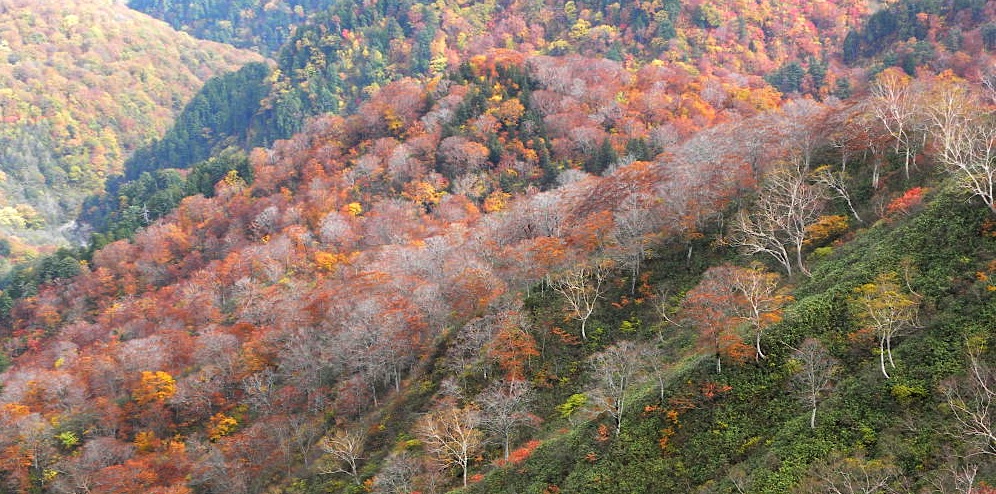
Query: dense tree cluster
[395,297]
[284,295]
[252,24]
[84,85]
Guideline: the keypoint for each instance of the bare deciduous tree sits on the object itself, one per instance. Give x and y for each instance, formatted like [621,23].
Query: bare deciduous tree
[452,436]
[617,369]
[814,374]
[634,225]
[776,225]
[666,307]
[582,288]
[835,181]
[966,140]
[760,302]
[856,476]
[956,476]
[800,127]
[505,409]
[344,449]
[398,474]
[894,101]
[973,403]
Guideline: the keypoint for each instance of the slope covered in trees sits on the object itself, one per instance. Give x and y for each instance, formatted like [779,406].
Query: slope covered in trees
[250,24]
[538,272]
[207,140]
[714,59]
[84,84]
[242,322]
[331,63]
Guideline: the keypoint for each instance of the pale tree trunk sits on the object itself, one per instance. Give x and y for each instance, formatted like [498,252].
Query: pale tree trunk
[907,164]
[815,377]
[636,274]
[876,172]
[785,260]
[581,289]
[881,356]
[888,349]
[798,258]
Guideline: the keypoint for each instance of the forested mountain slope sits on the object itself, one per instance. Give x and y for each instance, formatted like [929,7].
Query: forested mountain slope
[341,55]
[82,85]
[714,61]
[540,270]
[251,24]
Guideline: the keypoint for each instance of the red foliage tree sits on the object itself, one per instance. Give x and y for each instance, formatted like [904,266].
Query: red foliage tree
[711,307]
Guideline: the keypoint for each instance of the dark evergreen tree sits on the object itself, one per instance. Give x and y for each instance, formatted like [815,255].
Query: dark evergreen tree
[603,157]
[989,36]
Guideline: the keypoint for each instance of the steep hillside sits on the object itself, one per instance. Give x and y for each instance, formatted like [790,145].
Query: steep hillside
[332,302]
[816,413]
[289,249]
[709,64]
[84,84]
[251,24]
[531,270]
[332,62]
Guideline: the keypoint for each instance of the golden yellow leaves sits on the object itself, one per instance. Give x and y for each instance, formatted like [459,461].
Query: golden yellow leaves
[330,261]
[221,425]
[155,386]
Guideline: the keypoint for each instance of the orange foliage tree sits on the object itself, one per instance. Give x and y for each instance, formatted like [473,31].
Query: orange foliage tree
[711,308]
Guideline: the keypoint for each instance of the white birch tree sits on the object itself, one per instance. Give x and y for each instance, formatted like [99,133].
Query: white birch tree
[505,409]
[776,224]
[344,450]
[582,288]
[451,435]
[815,369]
[617,369]
[973,403]
[887,311]
[966,139]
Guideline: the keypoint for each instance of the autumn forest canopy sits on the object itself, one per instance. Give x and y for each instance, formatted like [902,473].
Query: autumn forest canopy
[522,246]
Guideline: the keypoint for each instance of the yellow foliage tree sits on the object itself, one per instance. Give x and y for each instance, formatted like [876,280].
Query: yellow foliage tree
[155,386]
[422,192]
[825,230]
[221,425]
[886,310]
[354,209]
[496,201]
[329,261]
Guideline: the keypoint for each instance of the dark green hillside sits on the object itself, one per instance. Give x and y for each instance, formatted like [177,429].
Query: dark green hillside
[207,135]
[252,24]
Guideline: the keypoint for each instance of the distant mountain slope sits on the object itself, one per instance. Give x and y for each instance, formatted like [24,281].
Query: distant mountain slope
[82,85]
[711,65]
[252,24]
[339,57]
